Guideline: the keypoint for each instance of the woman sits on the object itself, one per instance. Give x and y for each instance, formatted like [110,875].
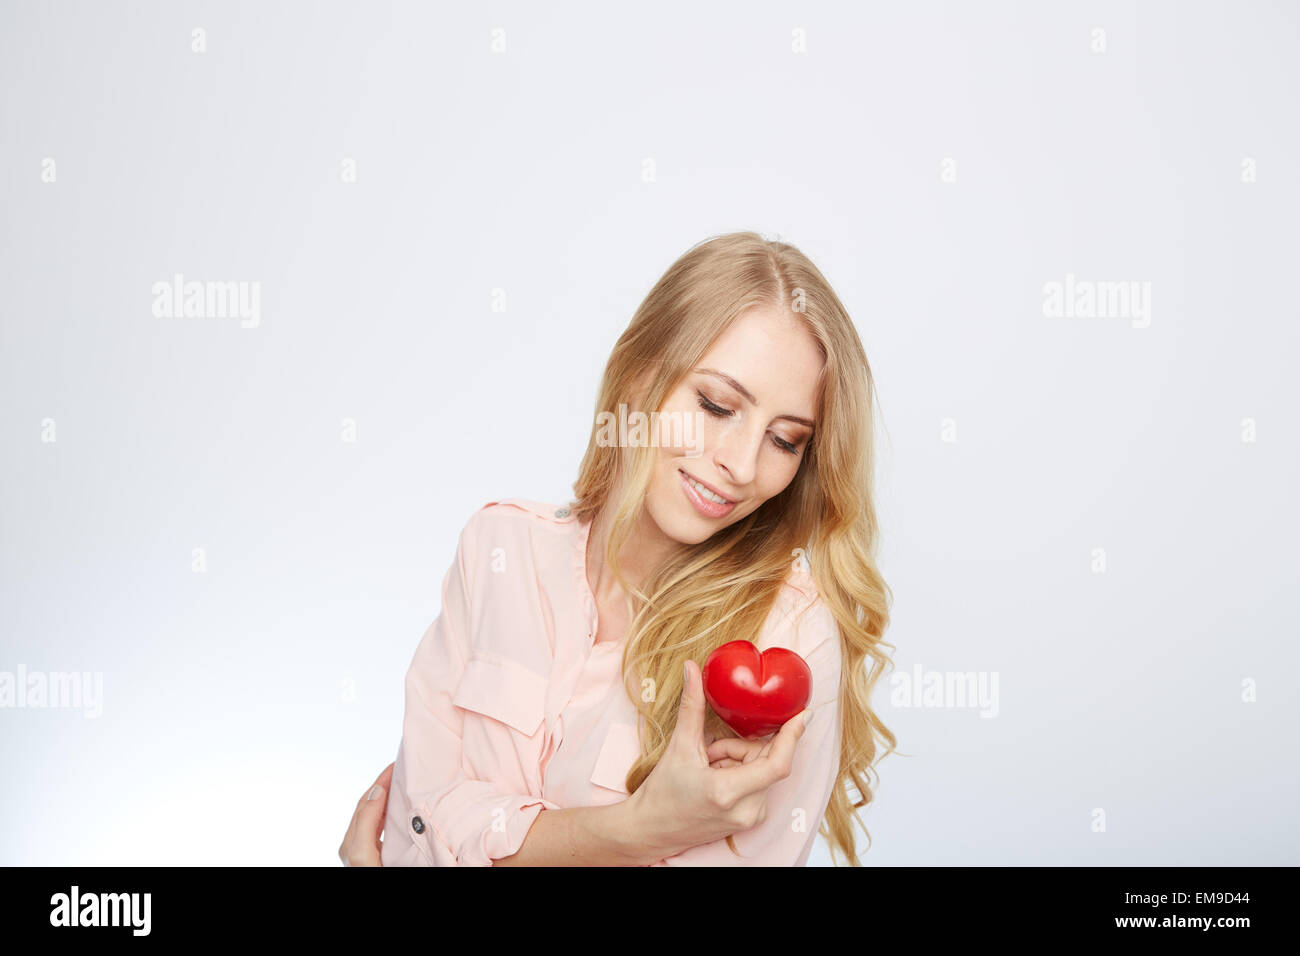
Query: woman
[744,511]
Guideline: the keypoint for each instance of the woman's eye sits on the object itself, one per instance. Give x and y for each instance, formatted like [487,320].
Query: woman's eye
[719,412]
[715,410]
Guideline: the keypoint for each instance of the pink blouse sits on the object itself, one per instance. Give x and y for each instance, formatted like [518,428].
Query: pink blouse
[513,707]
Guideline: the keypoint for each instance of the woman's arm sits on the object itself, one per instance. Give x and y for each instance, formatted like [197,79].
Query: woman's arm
[700,799]
[690,802]
[439,813]
[586,836]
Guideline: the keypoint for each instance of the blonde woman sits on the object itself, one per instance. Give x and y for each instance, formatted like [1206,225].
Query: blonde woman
[555,712]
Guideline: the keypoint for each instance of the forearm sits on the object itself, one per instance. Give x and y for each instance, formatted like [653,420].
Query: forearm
[586,836]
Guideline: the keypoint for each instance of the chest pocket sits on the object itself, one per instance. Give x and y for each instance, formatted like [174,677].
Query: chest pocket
[504,690]
[617,754]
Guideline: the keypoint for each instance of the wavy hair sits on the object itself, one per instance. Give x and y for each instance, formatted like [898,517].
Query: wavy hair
[723,589]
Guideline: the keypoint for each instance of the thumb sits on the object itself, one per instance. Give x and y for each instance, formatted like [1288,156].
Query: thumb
[690,710]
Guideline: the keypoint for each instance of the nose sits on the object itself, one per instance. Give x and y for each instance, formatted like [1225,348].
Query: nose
[736,455]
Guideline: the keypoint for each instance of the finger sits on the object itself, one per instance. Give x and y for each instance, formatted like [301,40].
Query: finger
[761,773]
[765,743]
[385,780]
[724,762]
[362,821]
[370,818]
[737,748]
[365,847]
[362,846]
[690,709]
[756,747]
[347,840]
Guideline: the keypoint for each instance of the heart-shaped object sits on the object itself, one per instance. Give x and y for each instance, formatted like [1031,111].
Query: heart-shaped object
[756,693]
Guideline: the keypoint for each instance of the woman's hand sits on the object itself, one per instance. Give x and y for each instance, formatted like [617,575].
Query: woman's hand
[703,791]
[361,845]
[734,751]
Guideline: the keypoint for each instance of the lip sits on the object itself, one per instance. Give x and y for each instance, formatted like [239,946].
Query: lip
[706,485]
[710,509]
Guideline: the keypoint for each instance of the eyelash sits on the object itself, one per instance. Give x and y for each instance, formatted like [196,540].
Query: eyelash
[719,412]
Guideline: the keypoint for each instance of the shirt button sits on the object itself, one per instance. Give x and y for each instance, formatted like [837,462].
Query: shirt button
[562,512]
[417,825]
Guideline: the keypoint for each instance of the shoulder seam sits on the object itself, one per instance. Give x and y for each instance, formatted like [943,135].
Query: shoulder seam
[540,509]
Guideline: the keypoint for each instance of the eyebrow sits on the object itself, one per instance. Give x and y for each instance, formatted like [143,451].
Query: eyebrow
[748,397]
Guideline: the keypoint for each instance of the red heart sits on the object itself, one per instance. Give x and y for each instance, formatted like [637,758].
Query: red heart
[756,693]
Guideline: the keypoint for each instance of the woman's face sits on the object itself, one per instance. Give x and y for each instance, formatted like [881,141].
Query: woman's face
[751,402]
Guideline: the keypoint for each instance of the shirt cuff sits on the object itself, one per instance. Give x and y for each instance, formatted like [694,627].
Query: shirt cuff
[498,829]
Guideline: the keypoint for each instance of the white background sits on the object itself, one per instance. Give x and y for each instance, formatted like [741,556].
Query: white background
[228,732]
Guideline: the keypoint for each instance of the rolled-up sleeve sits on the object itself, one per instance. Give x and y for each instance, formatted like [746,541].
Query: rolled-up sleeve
[796,805]
[438,815]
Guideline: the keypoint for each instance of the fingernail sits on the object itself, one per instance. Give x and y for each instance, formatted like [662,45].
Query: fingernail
[375,792]
[807,716]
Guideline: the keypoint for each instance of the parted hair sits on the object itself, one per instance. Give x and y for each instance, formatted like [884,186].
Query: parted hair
[723,589]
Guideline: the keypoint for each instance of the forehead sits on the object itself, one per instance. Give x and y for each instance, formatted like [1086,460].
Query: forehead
[774,356]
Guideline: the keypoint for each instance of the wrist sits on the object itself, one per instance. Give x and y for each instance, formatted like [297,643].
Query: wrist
[639,839]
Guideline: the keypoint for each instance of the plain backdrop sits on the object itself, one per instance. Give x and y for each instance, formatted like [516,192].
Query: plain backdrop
[452,211]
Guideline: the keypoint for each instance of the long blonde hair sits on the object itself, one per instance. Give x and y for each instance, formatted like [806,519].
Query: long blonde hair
[723,589]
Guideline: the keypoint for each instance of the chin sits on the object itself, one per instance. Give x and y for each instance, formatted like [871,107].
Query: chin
[677,525]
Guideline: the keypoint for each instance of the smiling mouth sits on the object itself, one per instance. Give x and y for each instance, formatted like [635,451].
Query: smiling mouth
[705,492]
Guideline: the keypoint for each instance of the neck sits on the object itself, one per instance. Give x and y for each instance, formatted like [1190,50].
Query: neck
[643,551]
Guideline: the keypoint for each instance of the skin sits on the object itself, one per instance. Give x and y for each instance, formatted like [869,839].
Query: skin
[774,358]
[777,361]
[361,844]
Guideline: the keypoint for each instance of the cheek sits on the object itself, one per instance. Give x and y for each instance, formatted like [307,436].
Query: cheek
[777,475]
